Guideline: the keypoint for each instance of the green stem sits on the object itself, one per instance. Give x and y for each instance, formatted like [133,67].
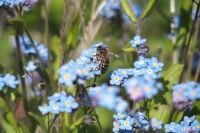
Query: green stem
[20,64]
[93,110]
[54,119]
[189,40]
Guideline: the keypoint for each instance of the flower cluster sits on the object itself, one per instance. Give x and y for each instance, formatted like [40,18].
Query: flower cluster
[58,103]
[140,88]
[8,80]
[134,121]
[28,48]
[107,97]
[12,3]
[188,125]
[110,8]
[143,67]
[81,69]
[185,93]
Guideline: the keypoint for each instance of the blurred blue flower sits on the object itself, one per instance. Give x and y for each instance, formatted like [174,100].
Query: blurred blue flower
[54,107]
[137,41]
[141,87]
[67,103]
[58,103]
[107,97]
[119,116]
[43,52]
[116,79]
[116,127]
[141,63]
[11,3]
[31,66]
[156,124]
[176,21]
[121,105]
[107,101]
[110,8]
[10,81]
[67,78]
[29,3]
[155,64]
[28,48]
[185,92]
[172,127]
[56,96]
[195,126]
[44,109]
[187,125]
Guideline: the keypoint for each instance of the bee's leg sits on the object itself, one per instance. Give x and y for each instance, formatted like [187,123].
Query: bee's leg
[94,84]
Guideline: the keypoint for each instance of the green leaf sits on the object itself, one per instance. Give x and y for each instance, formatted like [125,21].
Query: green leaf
[39,119]
[67,117]
[161,112]
[128,48]
[128,10]
[12,96]
[6,126]
[11,120]
[56,54]
[172,74]
[77,122]
[3,104]
[24,128]
[148,8]
[177,116]
[72,35]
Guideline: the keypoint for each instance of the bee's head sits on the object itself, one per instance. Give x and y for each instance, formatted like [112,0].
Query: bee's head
[103,50]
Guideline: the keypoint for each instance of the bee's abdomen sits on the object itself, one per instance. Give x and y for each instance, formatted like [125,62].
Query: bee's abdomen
[104,65]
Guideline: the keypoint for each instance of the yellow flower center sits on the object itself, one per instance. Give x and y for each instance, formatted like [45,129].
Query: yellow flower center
[116,78]
[136,91]
[193,92]
[155,124]
[85,71]
[10,81]
[137,41]
[67,103]
[126,123]
[183,128]
[117,125]
[155,64]
[147,89]
[67,76]
[121,116]
[198,126]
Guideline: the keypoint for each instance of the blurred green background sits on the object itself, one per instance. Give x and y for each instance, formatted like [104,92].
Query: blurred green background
[116,35]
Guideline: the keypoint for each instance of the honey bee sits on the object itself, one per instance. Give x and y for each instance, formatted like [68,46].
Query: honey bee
[101,57]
